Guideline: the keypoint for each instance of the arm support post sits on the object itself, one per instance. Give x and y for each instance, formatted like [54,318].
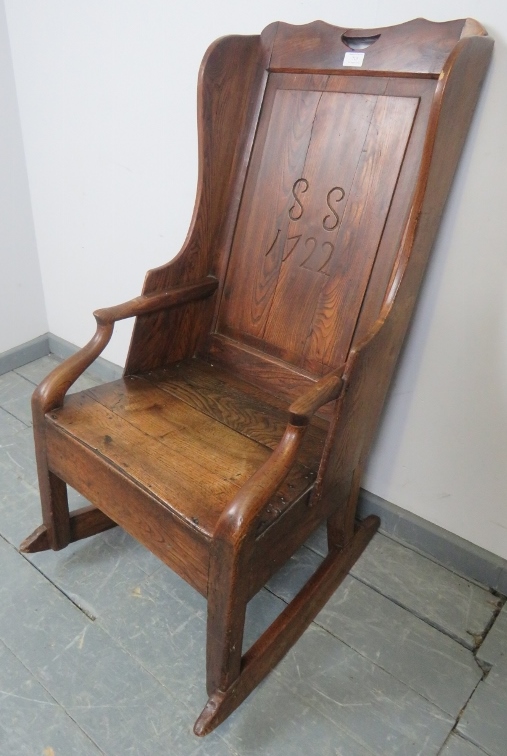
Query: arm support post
[238,521]
[51,392]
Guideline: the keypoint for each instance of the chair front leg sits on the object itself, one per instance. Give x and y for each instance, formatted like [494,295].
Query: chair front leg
[227,600]
[246,673]
[53,493]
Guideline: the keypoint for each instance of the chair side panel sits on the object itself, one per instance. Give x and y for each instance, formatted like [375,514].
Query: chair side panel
[231,86]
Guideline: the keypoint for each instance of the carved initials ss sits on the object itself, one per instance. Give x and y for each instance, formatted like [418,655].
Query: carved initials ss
[303,183]
[334,191]
[319,254]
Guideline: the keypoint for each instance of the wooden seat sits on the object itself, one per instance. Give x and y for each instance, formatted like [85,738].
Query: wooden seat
[203,435]
[262,354]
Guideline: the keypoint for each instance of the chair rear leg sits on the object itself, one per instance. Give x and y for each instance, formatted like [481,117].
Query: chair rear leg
[341,524]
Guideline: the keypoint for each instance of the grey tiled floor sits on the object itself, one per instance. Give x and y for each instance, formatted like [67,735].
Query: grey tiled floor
[102,647]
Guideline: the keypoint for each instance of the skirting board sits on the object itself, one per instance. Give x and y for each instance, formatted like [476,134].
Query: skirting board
[21,355]
[447,549]
[450,550]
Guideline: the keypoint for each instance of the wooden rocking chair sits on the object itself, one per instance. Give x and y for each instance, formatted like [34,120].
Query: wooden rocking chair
[261,355]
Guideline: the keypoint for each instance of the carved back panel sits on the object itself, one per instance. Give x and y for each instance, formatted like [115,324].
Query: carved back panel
[312,174]
[322,176]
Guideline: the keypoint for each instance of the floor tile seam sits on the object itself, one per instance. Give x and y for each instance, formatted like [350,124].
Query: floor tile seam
[487,666]
[421,617]
[57,703]
[351,733]
[60,590]
[412,547]
[2,406]
[451,715]
[410,610]
[391,674]
[156,570]
[425,555]
[170,694]
[376,664]
[18,418]
[18,391]
[474,743]
[415,613]
[460,736]
[16,370]
[36,383]
[117,643]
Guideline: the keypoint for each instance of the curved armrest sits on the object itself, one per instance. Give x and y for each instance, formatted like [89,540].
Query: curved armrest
[148,303]
[238,520]
[326,390]
[50,393]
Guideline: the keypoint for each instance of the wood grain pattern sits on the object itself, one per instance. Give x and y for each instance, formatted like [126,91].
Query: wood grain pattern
[140,513]
[335,166]
[399,211]
[231,85]
[277,163]
[194,468]
[262,354]
[238,405]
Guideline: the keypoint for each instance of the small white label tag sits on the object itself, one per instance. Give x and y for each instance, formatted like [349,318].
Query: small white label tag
[353,59]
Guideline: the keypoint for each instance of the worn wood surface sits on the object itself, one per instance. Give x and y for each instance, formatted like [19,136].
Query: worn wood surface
[262,353]
[140,513]
[194,460]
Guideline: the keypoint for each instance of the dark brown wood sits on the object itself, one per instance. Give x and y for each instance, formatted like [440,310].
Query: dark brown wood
[309,238]
[36,541]
[340,526]
[240,406]
[262,353]
[138,512]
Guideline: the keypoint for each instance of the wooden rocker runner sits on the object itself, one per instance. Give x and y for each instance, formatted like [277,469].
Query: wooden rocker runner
[261,355]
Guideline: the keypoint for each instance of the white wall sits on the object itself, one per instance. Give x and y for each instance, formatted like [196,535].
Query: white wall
[22,311]
[106,91]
